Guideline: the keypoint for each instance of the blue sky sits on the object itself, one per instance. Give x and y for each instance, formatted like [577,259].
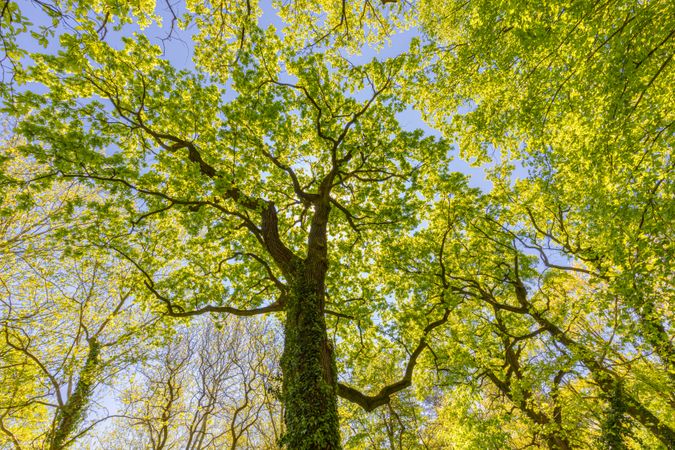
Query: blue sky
[179,51]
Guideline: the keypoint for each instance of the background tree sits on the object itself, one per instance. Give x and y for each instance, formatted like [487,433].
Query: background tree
[210,386]
[541,337]
[578,97]
[68,323]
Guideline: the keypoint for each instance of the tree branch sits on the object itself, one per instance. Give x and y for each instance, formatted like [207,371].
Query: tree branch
[370,402]
[174,310]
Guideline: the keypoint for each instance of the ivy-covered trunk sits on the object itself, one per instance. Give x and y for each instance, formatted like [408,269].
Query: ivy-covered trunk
[70,415]
[310,385]
[308,362]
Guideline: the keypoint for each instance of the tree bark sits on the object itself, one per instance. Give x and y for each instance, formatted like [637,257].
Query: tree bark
[72,413]
[308,364]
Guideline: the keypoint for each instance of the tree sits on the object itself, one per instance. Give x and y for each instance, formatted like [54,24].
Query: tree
[579,95]
[67,319]
[251,182]
[210,386]
[542,337]
[275,176]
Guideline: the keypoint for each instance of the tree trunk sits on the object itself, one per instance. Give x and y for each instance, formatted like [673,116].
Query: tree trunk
[308,364]
[72,413]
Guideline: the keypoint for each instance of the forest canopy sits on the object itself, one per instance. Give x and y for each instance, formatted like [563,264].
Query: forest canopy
[337,224]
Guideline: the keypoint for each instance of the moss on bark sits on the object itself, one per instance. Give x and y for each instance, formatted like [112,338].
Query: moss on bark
[308,364]
[71,414]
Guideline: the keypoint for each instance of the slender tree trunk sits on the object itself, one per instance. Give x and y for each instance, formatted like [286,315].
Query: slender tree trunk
[308,364]
[72,413]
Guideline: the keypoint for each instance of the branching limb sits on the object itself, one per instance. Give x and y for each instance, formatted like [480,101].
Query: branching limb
[23,348]
[267,233]
[315,104]
[297,188]
[370,402]
[174,310]
[351,219]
